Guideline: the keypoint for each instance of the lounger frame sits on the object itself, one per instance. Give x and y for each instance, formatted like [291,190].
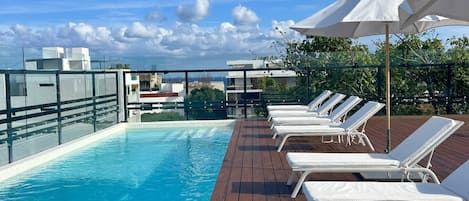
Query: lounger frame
[410,165]
[350,131]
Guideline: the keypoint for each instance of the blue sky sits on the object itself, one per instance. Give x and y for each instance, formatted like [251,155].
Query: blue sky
[166,33]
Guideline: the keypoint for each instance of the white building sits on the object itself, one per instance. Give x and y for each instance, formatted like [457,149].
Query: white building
[235,88]
[59,58]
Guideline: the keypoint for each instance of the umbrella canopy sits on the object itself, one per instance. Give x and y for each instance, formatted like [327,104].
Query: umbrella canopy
[357,18]
[413,10]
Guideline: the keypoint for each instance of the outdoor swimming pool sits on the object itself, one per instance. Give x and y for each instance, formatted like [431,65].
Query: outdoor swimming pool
[154,163]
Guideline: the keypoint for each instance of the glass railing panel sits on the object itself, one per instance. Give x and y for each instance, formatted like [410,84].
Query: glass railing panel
[206,98]
[3,154]
[18,92]
[77,110]
[159,97]
[3,126]
[264,87]
[106,102]
[424,90]
[2,92]
[36,127]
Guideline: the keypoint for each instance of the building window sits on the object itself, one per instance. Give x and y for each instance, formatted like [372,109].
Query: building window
[17,85]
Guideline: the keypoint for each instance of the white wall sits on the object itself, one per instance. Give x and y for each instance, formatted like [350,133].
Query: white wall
[35,93]
[172,87]
[52,52]
[162,99]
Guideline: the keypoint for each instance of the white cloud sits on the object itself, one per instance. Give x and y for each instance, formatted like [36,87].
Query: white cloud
[193,12]
[182,40]
[138,30]
[244,16]
[226,27]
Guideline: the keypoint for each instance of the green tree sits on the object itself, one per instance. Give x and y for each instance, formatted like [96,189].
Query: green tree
[206,94]
[458,53]
[319,58]
[413,81]
[206,103]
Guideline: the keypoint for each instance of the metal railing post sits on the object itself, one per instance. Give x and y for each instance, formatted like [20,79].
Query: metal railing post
[9,126]
[117,97]
[59,108]
[245,95]
[308,86]
[449,100]
[186,74]
[93,83]
[126,114]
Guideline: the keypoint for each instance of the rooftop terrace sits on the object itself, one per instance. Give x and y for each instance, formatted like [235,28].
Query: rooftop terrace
[253,170]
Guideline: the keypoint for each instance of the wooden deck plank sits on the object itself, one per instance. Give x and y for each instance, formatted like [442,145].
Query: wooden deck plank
[253,170]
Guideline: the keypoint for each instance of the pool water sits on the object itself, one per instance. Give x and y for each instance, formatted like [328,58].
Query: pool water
[139,164]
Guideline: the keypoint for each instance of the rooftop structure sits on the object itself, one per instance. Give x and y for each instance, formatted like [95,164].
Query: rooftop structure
[59,58]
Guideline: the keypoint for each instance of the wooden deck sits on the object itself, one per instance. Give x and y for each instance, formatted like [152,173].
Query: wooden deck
[253,170]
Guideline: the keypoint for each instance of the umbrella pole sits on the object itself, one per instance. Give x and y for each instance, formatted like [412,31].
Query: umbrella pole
[388,92]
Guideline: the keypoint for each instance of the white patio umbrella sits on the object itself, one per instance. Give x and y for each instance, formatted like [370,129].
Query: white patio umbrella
[413,10]
[357,18]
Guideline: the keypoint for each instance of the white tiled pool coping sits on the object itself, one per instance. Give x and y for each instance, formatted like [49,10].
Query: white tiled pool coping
[30,162]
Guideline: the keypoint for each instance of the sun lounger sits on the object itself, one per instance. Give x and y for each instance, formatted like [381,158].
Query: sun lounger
[335,117]
[349,129]
[402,159]
[313,105]
[454,188]
[323,110]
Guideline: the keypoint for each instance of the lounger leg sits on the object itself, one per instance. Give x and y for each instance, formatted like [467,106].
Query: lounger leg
[291,178]
[277,142]
[327,141]
[367,140]
[284,140]
[275,135]
[299,184]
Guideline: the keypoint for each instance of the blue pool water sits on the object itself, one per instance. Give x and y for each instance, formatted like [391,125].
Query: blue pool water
[140,164]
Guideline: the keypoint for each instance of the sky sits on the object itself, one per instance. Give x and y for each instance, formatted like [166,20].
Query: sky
[168,34]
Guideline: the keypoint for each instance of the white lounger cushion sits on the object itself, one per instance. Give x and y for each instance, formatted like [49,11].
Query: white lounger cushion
[293,113]
[271,108]
[352,123]
[348,191]
[321,111]
[415,147]
[453,188]
[334,116]
[347,128]
[458,181]
[301,121]
[331,160]
[314,104]
[314,129]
